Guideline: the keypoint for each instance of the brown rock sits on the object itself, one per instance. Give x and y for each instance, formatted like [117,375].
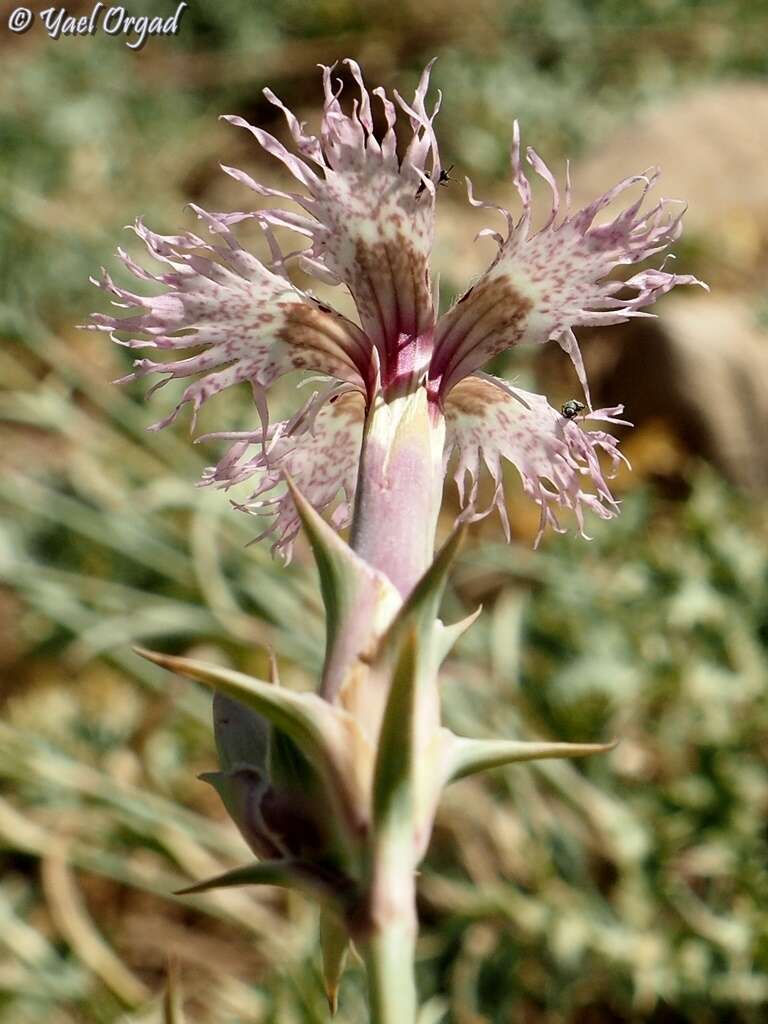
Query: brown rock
[702,370]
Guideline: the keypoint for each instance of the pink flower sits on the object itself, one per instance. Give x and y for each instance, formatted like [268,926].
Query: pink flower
[367,215]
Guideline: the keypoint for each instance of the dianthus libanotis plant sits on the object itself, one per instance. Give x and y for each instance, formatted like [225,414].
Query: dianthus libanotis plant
[335,792]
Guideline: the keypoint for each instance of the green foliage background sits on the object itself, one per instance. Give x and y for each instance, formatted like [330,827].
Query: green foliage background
[630,888]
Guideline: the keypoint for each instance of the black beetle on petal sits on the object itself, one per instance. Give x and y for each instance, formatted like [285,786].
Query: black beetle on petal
[572,408]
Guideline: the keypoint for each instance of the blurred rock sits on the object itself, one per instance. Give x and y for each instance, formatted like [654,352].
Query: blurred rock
[701,369]
[710,145]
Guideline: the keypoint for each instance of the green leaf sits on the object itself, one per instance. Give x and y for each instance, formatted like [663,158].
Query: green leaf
[418,615]
[334,945]
[468,756]
[289,768]
[242,735]
[323,734]
[285,873]
[324,884]
[315,726]
[241,790]
[393,780]
[421,608]
[359,601]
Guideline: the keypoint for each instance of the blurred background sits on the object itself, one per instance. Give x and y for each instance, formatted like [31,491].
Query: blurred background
[632,887]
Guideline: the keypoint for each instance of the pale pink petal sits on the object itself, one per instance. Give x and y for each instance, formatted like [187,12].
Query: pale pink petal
[369,217]
[247,321]
[319,448]
[541,285]
[488,421]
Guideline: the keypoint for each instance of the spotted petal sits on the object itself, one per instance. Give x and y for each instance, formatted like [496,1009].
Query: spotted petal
[488,421]
[371,216]
[248,321]
[319,449]
[540,285]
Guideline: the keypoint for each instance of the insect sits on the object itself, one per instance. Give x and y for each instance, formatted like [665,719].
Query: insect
[572,408]
[443,179]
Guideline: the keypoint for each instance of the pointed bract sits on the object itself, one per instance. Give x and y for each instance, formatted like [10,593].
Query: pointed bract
[447,636]
[285,873]
[334,946]
[359,601]
[467,756]
[327,736]
[417,615]
[393,779]
[420,609]
[312,722]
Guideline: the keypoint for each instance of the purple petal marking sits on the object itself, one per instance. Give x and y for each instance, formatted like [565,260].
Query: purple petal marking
[249,321]
[370,218]
[319,448]
[541,285]
[487,420]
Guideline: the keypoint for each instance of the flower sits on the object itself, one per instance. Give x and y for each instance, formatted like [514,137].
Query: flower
[368,217]
[336,791]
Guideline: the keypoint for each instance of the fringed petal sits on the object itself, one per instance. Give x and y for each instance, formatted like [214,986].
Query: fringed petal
[540,285]
[249,322]
[487,420]
[319,448]
[370,217]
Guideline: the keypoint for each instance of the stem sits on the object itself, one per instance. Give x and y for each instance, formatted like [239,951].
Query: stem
[392,925]
[389,959]
[389,945]
[399,487]
[398,501]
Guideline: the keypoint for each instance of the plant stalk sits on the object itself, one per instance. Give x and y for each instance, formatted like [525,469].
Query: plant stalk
[389,942]
[395,519]
[400,486]
[389,960]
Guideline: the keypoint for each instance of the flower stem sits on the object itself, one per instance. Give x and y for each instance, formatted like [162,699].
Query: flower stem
[391,926]
[399,488]
[389,957]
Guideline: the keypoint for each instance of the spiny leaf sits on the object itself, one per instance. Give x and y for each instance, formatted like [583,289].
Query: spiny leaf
[469,756]
[421,608]
[393,781]
[357,598]
[446,636]
[418,614]
[324,734]
[334,945]
[285,873]
[313,723]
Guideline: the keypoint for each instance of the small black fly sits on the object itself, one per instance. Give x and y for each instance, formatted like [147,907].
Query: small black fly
[572,408]
[443,179]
